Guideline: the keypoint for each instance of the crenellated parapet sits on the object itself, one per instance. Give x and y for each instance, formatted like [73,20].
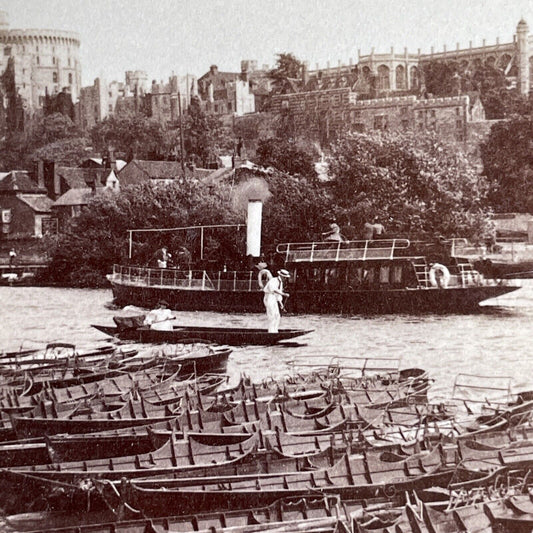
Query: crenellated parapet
[34,36]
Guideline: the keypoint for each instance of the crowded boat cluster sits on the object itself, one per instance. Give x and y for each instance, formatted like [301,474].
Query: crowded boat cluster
[159,440]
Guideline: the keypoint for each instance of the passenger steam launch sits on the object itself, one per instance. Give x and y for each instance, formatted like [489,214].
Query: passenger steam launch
[360,277]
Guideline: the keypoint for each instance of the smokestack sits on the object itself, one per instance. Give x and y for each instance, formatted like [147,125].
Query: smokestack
[253,230]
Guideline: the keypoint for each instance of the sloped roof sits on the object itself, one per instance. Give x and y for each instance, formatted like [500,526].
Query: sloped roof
[157,169]
[18,180]
[79,196]
[76,177]
[40,203]
[99,161]
[217,175]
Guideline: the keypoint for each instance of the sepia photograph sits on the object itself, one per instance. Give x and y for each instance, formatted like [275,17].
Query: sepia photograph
[266,266]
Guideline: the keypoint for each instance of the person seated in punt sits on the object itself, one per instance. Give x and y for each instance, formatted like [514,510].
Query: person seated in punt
[160,318]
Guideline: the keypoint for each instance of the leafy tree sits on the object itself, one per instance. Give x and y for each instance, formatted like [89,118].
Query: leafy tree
[287,67]
[417,186]
[97,239]
[52,128]
[450,78]
[131,134]
[288,156]
[507,157]
[203,134]
[69,151]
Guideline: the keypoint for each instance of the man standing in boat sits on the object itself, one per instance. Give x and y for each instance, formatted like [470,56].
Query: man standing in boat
[273,299]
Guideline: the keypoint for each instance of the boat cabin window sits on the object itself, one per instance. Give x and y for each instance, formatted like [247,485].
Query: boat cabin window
[352,276]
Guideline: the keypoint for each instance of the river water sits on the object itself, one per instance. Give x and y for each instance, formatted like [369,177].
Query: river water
[497,342]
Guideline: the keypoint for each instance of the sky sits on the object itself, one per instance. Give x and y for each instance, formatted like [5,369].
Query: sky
[163,37]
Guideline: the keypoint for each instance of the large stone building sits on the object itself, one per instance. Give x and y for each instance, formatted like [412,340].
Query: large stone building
[40,63]
[101,100]
[396,72]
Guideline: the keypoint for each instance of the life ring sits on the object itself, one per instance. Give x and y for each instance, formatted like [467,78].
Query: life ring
[264,277]
[444,276]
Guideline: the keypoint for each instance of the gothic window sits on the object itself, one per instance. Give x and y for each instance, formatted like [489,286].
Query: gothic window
[400,78]
[413,78]
[504,61]
[366,73]
[490,61]
[383,77]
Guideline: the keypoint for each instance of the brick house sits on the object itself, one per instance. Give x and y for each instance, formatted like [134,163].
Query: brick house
[25,207]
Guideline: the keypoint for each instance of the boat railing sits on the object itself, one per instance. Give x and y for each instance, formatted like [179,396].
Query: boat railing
[162,277]
[341,251]
[467,275]
[185,279]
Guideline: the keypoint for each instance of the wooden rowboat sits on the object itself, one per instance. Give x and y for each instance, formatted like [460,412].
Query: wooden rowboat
[219,335]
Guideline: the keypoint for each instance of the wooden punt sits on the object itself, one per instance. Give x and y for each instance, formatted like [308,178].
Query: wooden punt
[89,421]
[353,477]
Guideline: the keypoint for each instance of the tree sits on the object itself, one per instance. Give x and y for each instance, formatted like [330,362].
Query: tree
[450,78]
[131,134]
[69,151]
[52,128]
[86,251]
[204,135]
[507,157]
[288,156]
[287,67]
[417,186]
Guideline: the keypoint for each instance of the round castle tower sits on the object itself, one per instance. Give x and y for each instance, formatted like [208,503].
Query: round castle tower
[44,62]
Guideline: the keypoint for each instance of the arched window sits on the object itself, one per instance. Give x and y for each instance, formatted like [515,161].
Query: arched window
[383,78]
[400,78]
[504,61]
[413,78]
[490,61]
[366,73]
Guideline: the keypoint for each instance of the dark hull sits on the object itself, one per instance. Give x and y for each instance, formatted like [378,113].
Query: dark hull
[431,300]
[229,336]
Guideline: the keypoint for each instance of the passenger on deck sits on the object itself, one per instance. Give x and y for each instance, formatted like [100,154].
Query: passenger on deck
[334,234]
[162,257]
[160,318]
[273,299]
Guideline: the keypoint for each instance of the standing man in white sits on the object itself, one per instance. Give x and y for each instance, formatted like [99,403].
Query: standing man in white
[273,299]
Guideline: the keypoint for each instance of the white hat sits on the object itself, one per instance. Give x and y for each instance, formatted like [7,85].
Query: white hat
[284,273]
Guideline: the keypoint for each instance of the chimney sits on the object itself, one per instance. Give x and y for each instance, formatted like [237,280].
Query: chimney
[57,181]
[253,228]
[40,174]
[305,73]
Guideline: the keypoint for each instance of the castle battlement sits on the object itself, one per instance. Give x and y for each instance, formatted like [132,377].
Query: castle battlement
[44,36]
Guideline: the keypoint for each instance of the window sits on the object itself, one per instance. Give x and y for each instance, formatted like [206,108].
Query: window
[400,78]
[54,77]
[54,60]
[7,51]
[70,77]
[405,124]
[110,108]
[285,104]
[380,122]
[68,61]
[41,101]
[38,60]
[458,124]
[432,113]
[457,110]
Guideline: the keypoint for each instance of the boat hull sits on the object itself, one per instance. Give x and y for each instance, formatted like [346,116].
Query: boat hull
[229,336]
[383,301]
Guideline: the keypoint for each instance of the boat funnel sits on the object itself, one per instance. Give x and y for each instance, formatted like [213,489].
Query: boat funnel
[253,228]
